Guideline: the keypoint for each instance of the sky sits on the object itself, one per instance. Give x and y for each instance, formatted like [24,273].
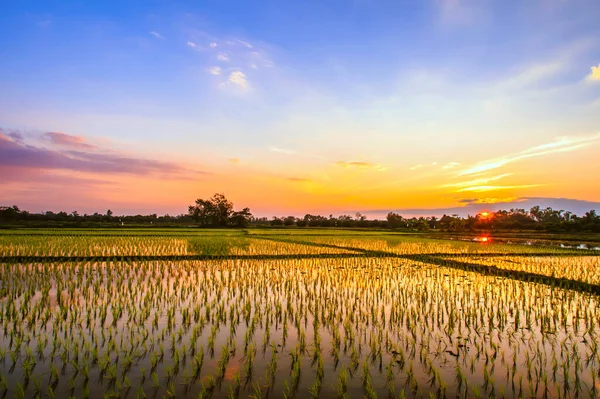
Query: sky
[294,107]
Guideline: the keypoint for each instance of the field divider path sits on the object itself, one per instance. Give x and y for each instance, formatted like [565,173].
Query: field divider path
[562,283]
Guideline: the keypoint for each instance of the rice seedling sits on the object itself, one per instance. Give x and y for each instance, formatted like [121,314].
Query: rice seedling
[310,316]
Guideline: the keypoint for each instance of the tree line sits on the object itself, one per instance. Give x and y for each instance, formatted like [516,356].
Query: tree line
[536,218]
[218,211]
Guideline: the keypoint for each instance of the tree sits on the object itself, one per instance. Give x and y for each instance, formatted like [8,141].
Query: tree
[241,218]
[9,212]
[202,212]
[394,220]
[276,221]
[289,221]
[223,209]
[109,213]
[218,212]
[212,212]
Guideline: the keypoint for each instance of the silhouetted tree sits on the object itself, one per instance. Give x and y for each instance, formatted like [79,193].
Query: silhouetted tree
[289,221]
[394,220]
[241,218]
[276,221]
[212,212]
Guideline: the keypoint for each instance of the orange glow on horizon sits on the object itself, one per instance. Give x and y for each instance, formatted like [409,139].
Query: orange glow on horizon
[485,215]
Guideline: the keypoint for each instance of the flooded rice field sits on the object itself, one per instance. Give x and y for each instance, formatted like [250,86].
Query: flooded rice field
[295,316]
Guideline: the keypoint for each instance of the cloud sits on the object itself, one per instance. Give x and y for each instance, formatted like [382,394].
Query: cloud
[483,188]
[66,140]
[595,74]
[477,182]
[487,200]
[532,75]
[258,58]
[282,151]
[299,179]
[451,165]
[243,43]
[12,174]
[214,70]
[222,57]
[238,78]
[360,165]
[191,44]
[15,135]
[415,167]
[157,35]
[294,153]
[15,154]
[564,144]
[212,45]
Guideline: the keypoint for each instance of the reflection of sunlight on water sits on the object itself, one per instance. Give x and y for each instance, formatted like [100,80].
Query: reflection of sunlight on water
[232,369]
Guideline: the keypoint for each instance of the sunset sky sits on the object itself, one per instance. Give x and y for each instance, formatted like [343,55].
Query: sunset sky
[294,107]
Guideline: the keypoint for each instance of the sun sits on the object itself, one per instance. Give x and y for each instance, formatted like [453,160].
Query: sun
[485,215]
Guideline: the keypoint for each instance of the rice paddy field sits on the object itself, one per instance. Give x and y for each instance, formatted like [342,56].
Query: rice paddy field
[293,313]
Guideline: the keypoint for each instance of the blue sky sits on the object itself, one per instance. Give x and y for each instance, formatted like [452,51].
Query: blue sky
[395,96]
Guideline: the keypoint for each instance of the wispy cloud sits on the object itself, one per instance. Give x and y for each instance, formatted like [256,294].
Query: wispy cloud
[451,165]
[294,153]
[477,182]
[14,135]
[21,155]
[564,144]
[532,74]
[415,167]
[494,188]
[12,174]
[212,45]
[298,179]
[360,165]
[245,44]
[191,44]
[595,74]
[487,200]
[157,35]
[67,140]
[222,57]
[215,70]
[282,151]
